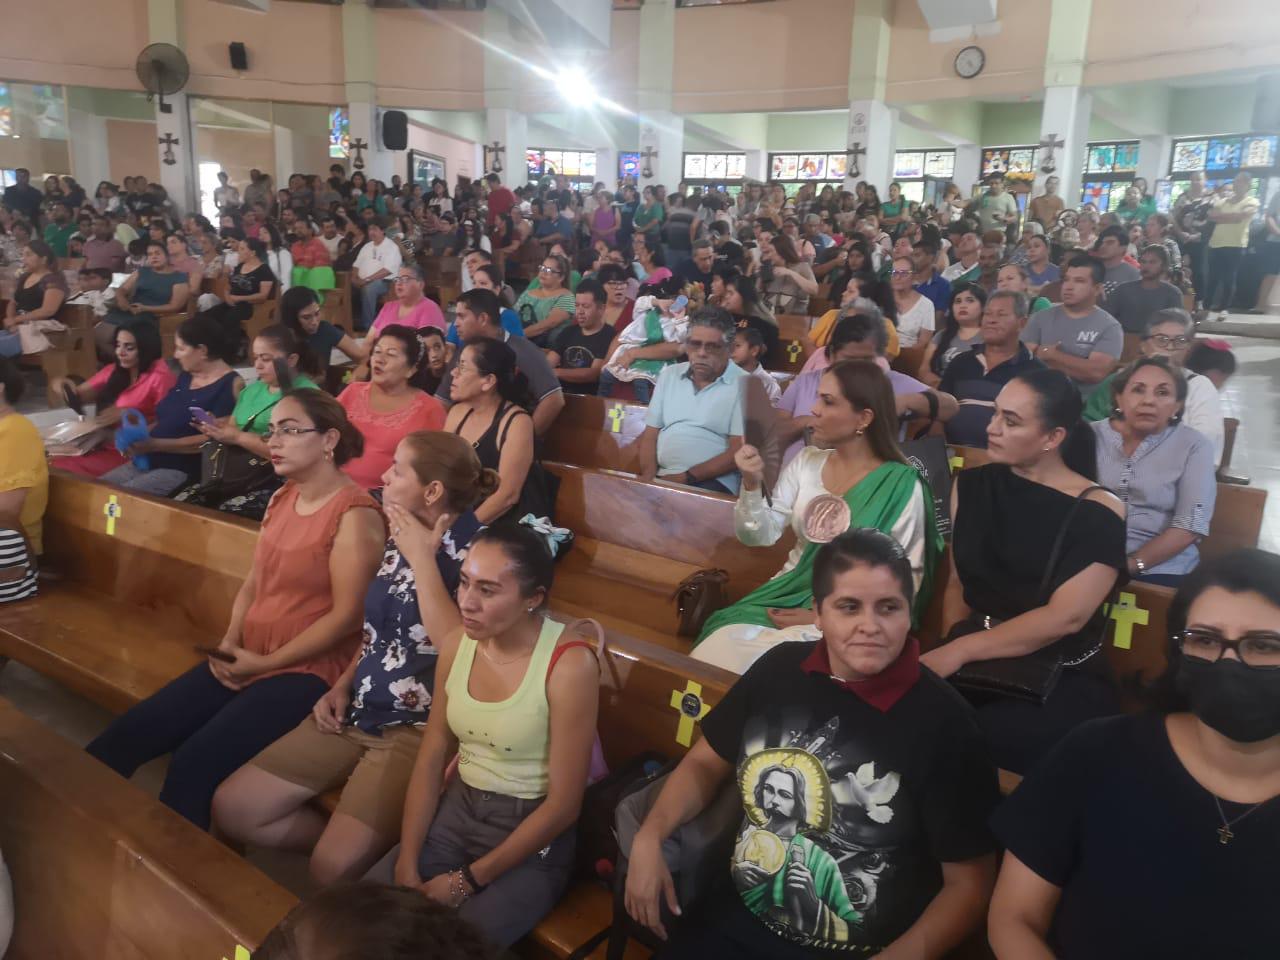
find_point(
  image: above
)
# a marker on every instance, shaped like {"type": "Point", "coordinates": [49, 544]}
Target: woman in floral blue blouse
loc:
{"type": "Point", "coordinates": [365, 731]}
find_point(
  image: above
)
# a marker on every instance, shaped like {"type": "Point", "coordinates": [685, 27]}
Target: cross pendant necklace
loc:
{"type": "Point", "coordinates": [1225, 834]}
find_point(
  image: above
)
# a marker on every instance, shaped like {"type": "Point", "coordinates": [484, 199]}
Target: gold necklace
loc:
{"type": "Point", "coordinates": [502, 663]}
{"type": "Point", "coordinates": [1225, 833]}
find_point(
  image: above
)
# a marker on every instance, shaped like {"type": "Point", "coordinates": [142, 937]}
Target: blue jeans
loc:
{"type": "Point", "coordinates": [642, 388]}
{"type": "Point", "coordinates": [211, 731]}
{"type": "Point", "coordinates": [369, 296]}
{"type": "Point", "coordinates": [10, 344]}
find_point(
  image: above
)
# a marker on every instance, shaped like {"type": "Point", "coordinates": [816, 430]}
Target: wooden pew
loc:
{"type": "Point", "coordinates": [622, 540]}
{"type": "Point", "coordinates": [909, 359]}
{"type": "Point", "coordinates": [596, 432]}
{"type": "Point", "coordinates": [102, 870]}
{"type": "Point", "coordinates": [794, 347]}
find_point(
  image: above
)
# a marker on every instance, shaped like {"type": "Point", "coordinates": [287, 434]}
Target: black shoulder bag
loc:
{"type": "Point", "coordinates": [1034, 675]}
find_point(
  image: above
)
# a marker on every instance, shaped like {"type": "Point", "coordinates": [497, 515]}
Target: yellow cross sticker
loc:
{"type": "Point", "coordinates": [111, 510]}
{"type": "Point", "coordinates": [692, 709]}
{"type": "Point", "coordinates": [242, 953]}
{"type": "Point", "coordinates": [957, 464]}
{"type": "Point", "coordinates": [794, 350]}
{"type": "Point", "coordinates": [616, 416]}
{"type": "Point", "coordinates": [1126, 612]}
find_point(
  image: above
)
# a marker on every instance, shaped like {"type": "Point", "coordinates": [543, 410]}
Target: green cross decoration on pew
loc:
{"type": "Point", "coordinates": [689, 702]}
{"type": "Point", "coordinates": [616, 415]}
{"type": "Point", "coordinates": [242, 953]}
{"type": "Point", "coordinates": [794, 350]}
{"type": "Point", "coordinates": [1126, 612]}
{"type": "Point", "coordinates": [956, 464]}
{"type": "Point", "coordinates": [111, 510]}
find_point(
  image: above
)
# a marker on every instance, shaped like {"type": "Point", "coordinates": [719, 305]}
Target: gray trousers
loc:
{"type": "Point", "coordinates": [468, 824]}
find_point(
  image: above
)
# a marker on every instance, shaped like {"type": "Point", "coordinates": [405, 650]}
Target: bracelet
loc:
{"type": "Point", "coordinates": [1140, 564]}
{"type": "Point", "coordinates": [457, 895]}
{"type": "Point", "coordinates": [470, 877]}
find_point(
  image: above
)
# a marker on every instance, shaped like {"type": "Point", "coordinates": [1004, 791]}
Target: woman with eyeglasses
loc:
{"type": "Point", "coordinates": [546, 310]}
{"type": "Point", "coordinates": [412, 307]}
{"type": "Point", "coordinates": [1158, 834]}
{"type": "Point", "coordinates": [294, 626]}
{"type": "Point", "coordinates": [1171, 334]}
{"type": "Point", "coordinates": [915, 310]}
{"type": "Point", "coordinates": [1161, 468]}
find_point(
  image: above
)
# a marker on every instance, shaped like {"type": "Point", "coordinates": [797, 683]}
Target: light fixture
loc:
{"type": "Point", "coordinates": [576, 88]}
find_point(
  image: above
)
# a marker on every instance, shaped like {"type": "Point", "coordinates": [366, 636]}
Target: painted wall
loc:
{"type": "Point", "coordinates": [459, 155]}
{"type": "Point", "coordinates": [295, 51]}
{"type": "Point", "coordinates": [68, 41]}
{"type": "Point", "coordinates": [808, 131]}
{"type": "Point", "coordinates": [1209, 110]}
{"type": "Point", "coordinates": [429, 59]}
{"type": "Point", "coordinates": [921, 71]}
{"type": "Point", "coordinates": [786, 55]}
{"type": "Point", "coordinates": [131, 145]}
{"type": "Point", "coordinates": [238, 151]}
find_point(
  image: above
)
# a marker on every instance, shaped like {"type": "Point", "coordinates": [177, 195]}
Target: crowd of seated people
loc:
{"type": "Point", "coordinates": [395, 615]}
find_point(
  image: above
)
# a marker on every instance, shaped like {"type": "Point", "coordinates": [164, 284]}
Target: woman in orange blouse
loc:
{"type": "Point", "coordinates": [294, 627]}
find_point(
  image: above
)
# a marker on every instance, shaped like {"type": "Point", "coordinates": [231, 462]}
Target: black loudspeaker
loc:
{"type": "Point", "coordinates": [395, 130]}
{"type": "Point", "coordinates": [239, 56]}
{"type": "Point", "coordinates": [1266, 106]}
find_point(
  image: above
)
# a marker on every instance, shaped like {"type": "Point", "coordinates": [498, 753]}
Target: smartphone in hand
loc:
{"type": "Point", "coordinates": [215, 653]}
{"type": "Point", "coordinates": [201, 415]}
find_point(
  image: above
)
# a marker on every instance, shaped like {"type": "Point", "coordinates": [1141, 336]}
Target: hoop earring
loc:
{"type": "Point", "coordinates": [859, 432]}
{"type": "Point", "coordinates": [328, 455]}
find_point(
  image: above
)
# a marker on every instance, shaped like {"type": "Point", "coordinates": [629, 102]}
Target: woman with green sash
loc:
{"type": "Point", "coordinates": [852, 476]}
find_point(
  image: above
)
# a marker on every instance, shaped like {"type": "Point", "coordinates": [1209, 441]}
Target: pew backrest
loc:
{"type": "Point", "coordinates": [596, 432]}
{"type": "Point", "coordinates": [101, 869]}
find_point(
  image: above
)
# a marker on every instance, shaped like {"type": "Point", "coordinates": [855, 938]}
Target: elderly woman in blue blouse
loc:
{"type": "Point", "coordinates": [1162, 469]}
{"type": "Point", "coordinates": [364, 733]}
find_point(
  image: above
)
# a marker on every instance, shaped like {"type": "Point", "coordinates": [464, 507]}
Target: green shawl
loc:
{"type": "Point", "coordinates": [876, 501]}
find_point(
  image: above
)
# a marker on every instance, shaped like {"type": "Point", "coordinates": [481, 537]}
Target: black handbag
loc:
{"type": "Point", "coordinates": [1031, 676]}
{"type": "Point", "coordinates": [929, 456]}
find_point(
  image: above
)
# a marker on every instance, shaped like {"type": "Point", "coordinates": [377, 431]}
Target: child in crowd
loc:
{"type": "Point", "coordinates": [748, 348]}
{"type": "Point", "coordinates": [94, 289]}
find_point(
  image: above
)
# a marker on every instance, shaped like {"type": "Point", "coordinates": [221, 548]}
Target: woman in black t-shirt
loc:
{"type": "Point", "coordinates": [1158, 835]}
{"type": "Point", "coordinates": [1008, 597]}
{"type": "Point", "coordinates": [251, 281]}
{"type": "Point", "coordinates": [864, 783]}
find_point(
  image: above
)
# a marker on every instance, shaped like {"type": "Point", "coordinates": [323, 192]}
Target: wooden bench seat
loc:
{"type": "Point", "coordinates": [596, 432]}
{"type": "Point", "coordinates": [102, 870]}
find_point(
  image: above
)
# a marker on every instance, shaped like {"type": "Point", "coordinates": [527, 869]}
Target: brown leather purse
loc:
{"type": "Point", "coordinates": [697, 597]}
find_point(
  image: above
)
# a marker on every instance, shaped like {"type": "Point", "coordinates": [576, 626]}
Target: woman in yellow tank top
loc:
{"type": "Point", "coordinates": [497, 845]}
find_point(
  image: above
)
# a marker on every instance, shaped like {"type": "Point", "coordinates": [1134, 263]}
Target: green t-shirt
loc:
{"type": "Point", "coordinates": [57, 237]}
{"type": "Point", "coordinates": [1098, 404]}
{"type": "Point", "coordinates": [253, 408]}
{"type": "Point", "coordinates": [1040, 303]}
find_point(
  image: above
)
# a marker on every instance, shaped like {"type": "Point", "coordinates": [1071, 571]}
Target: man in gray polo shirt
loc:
{"type": "Point", "coordinates": [1077, 336]}
{"type": "Point", "coordinates": [478, 313]}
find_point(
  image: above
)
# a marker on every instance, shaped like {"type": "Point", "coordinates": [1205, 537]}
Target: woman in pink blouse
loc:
{"type": "Point", "coordinates": [137, 380]}
{"type": "Point", "coordinates": [412, 307]}
{"type": "Point", "coordinates": [389, 405]}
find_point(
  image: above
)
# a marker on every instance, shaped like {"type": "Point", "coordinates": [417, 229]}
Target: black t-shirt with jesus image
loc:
{"type": "Point", "coordinates": [580, 350]}
{"type": "Point", "coordinates": [863, 805]}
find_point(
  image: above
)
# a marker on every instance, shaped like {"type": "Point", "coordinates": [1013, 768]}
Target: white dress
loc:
{"type": "Point", "coordinates": [737, 646]}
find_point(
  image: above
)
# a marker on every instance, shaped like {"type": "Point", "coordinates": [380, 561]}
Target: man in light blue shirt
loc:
{"type": "Point", "coordinates": [694, 424]}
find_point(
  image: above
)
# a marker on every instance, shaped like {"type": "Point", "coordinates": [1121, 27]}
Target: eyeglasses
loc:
{"type": "Point", "coordinates": [545, 269]}
{"type": "Point", "coordinates": [1259, 649]}
{"type": "Point", "coordinates": [289, 431]}
{"type": "Point", "coordinates": [1163, 341]}
{"type": "Point", "coordinates": [615, 283]}
{"type": "Point", "coordinates": [900, 273]}
{"type": "Point", "coordinates": [405, 279]}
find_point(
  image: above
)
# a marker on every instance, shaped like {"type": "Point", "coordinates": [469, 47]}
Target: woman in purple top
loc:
{"type": "Point", "coordinates": [605, 221]}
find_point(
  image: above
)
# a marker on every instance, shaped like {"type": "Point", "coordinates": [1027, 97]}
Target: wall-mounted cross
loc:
{"type": "Point", "coordinates": [1047, 146]}
{"type": "Point", "coordinates": [648, 154]}
{"type": "Point", "coordinates": [493, 157]}
{"type": "Point", "coordinates": [359, 146]}
{"type": "Point", "coordinates": [856, 150]}
{"type": "Point", "coordinates": [169, 141]}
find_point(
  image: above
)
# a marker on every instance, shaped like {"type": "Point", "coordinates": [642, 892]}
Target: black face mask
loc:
{"type": "Point", "coordinates": [1242, 703]}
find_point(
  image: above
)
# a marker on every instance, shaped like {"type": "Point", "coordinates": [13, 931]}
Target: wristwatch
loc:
{"type": "Point", "coordinates": [1140, 564]}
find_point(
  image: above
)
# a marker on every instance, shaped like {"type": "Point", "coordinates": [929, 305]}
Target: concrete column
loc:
{"type": "Point", "coordinates": [758, 165]}
{"type": "Point", "coordinates": [1066, 118]}
{"type": "Point", "coordinates": [663, 132]}
{"type": "Point", "coordinates": [366, 125]}
{"type": "Point", "coordinates": [872, 126]}
{"type": "Point", "coordinates": [607, 166]}
{"type": "Point", "coordinates": [179, 179]}
{"type": "Point", "coordinates": [1154, 153]}
{"type": "Point", "coordinates": [282, 142]}
{"type": "Point", "coordinates": [87, 143]}
{"type": "Point", "coordinates": [968, 167]}
{"type": "Point", "coordinates": [510, 128]}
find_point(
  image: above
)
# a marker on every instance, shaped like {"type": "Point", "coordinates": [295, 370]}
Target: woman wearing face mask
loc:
{"type": "Point", "coordinates": [862, 786]}
{"type": "Point", "coordinates": [389, 404]}
{"type": "Point", "coordinates": [1037, 547]}
{"type": "Point", "coordinates": [1158, 834]}
{"type": "Point", "coordinates": [961, 331]}
{"type": "Point", "coordinates": [1161, 468]}
{"type": "Point", "coordinates": [366, 730]}
{"type": "Point", "coordinates": [277, 363]}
